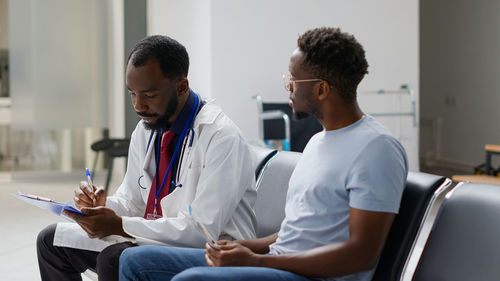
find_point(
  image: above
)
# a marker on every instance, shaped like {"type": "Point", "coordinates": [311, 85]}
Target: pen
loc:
{"type": "Point", "coordinates": [38, 198]}
{"type": "Point", "coordinates": [90, 185]}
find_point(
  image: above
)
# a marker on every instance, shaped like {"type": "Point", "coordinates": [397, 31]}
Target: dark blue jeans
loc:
{"type": "Point", "coordinates": [166, 263]}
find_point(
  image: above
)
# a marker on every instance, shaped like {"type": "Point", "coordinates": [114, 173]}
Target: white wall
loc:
{"type": "Point", "coordinates": [460, 82]}
{"type": "Point", "coordinates": [251, 42]}
{"type": "Point", "coordinates": [189, 22]}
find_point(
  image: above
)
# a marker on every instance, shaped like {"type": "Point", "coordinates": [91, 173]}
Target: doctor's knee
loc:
{"type": "Point", "coordinates": [45, 238]}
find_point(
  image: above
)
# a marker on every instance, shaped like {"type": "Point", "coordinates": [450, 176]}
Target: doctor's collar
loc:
{"type": "Point", "coordinates": [183, 117]}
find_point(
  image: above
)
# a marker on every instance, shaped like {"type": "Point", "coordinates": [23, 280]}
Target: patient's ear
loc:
{"type": "Point", "coordinates": [323, 90]}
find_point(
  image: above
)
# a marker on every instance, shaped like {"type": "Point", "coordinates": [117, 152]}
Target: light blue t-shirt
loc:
{"type": "Point", "coordinates": [360, 166]}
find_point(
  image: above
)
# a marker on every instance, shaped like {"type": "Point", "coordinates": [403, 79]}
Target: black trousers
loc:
{"type": "Point", "coordinates": [62, 263]}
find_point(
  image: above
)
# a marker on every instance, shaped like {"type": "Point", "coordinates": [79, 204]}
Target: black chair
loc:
{"type": "Point", "coordinates": [114, 148]}
{"type": "Point", "coordinates": [418, 197]}
{"type": "Point", "coordinates": [464, 242]}
{"type": "Point", "coordinates": [261, 157]}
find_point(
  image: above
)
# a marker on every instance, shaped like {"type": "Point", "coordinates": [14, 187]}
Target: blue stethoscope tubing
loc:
{"type": "Point", "coordinates": [187, 127]}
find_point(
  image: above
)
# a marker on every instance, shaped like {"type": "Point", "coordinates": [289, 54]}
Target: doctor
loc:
{"type": "Point", "coordinates": [184, 152]}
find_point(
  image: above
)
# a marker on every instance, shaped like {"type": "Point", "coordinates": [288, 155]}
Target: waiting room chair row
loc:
{"type": "Point", "coordinates": [463, 243]}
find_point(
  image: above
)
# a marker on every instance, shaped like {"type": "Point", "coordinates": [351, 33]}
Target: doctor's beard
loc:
{"type": "Point", "coordinates": [162, 121]}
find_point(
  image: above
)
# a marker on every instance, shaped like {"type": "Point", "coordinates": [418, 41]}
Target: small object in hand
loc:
{"type": "Point", "coordinates": [202, 229]}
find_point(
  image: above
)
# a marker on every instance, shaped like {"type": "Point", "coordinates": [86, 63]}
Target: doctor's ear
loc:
{"type": "Point", "coordinates": [182, 86]}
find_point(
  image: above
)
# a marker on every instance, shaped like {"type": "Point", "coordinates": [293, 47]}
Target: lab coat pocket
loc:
{"type": "Point", "coordinates": [190, 160]}
{"type": "Point", "coordinates": [189, 179]}
{"type": "Point", "coordinates": [183, 195]}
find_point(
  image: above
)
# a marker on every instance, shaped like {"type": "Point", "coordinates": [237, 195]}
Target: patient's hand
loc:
{"type": "Point", "coordinates": [230, 254]}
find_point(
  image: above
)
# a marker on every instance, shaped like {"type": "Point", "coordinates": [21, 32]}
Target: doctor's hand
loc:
{"type": "Point", "coordinates": [230, 254]}
{"type": "Point", "coordinates": [99, 222]}
{"type": "Point", "coordinates": [85, 198]}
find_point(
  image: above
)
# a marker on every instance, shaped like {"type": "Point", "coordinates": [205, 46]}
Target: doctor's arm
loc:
{"type": "Point", "coordinates": [127, 200]}
{"type": "Point", "coordinates": [367, 234]}
{"type": "Point", "coordinates": [105, 218]}
{"type": "Point", "coordinates": [222, 180]}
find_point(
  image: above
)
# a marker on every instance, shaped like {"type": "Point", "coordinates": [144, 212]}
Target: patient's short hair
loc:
{"type": "Point", "coordinates": [170, 54]}
{"type": "Point", "coordinates": [335, 57]}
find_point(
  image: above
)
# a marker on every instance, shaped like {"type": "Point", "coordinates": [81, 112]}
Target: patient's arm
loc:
{"type": "Point", "coordinates": [367, 230]}
{"type": "Point", "coordinates": [259, 245]}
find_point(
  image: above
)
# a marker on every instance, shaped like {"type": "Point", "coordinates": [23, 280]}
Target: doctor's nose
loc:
{"type": "Point", "coordinates": [139, 103]}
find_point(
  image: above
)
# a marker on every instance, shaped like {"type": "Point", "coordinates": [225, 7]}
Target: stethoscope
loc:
{"type": "Point", "coordinates": [187, 127]}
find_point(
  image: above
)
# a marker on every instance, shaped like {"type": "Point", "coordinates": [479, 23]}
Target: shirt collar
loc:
{"type": "Point", "coordinates": [183, 117]}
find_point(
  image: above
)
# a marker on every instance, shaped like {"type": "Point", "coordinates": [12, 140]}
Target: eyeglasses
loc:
{"type": "Point", "coordinates": [290, 84]}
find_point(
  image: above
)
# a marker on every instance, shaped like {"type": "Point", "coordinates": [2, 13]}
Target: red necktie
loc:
{"type": "Point", "coordinates": [165, 157]}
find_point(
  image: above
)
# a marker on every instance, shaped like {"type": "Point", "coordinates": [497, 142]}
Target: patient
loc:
{"type": "Point", "coordinates": [343, 194]}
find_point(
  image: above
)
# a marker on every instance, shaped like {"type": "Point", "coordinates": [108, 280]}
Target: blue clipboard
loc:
{"type": "Point", "coordinates": [47, 204]}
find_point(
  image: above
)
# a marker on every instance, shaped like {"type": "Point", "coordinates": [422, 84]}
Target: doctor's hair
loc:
{"type": "Point", "coordinates": [335, 57]}
{"type": "Point", "coordinates": [170, 54]}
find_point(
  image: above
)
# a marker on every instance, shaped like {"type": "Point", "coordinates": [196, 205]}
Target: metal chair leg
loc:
{"type": "Point", "coordinates": [95, 164]}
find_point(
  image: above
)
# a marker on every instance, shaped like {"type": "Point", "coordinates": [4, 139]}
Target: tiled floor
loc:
{"type": "Point", "coordinates": [21, 222]}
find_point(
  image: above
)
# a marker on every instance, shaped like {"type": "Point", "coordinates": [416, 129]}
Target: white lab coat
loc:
{"type": "Point", "coordinates": [217, 178]}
